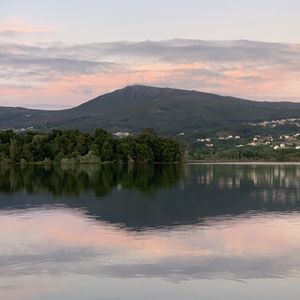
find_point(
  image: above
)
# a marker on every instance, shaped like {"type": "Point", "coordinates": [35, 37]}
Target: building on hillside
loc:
{"type": "Point", "coordinates": [121, 134]}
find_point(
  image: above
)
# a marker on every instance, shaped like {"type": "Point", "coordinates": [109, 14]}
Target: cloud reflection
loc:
{"type": "Point", "coordinates": [62, 241]}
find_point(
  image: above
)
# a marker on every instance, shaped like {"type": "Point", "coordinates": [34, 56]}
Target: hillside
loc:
{"type": "Point", "coordinates": [166, 110]}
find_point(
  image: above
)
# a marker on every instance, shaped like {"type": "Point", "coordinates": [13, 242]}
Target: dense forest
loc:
{"type": "Point", "coordinates": [73, 146]}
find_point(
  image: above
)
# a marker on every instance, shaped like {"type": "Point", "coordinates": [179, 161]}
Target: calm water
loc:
{"type": "Point", "coordinates": [193, 232]}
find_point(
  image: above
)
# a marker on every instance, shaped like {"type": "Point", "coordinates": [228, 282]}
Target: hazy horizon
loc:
{"type": "Point", "coordinates": [43, 106]}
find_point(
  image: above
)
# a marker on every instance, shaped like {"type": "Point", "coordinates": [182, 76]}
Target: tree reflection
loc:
{"type": "Point", "coordinates": [74, 180]}
{"type": "Point", "coordinates": [155, 196]}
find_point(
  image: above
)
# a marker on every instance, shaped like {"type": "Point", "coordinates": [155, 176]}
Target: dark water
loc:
{"type": "Point", "coordinates": [165, 232]}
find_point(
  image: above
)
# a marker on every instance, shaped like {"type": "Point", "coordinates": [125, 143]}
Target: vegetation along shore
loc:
{"type": "Point", "coordinates": [101, 146]}
{"type": "Point", "coordinates": [73, 146]}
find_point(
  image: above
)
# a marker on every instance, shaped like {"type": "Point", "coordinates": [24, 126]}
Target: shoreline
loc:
{"type": "Point", "coordinates": [237, 162]}
{"type": "Point", "coordinates": [50, 163]}
{"type": "Point", "coordinates": [188, 162]}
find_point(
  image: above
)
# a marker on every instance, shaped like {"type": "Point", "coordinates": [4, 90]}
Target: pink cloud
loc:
{"type": "Point", "coordinates": [17, 24]}
{"type": "Point", "coordinates": [74, 74]}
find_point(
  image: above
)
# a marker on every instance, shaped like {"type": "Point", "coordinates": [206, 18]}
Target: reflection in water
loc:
{"type": "Point", "coordinates": [76, 179]}
{"type": "Point", "coordinates": [154, 196]}
{"type": "Point", "coordinates": [157, 232]}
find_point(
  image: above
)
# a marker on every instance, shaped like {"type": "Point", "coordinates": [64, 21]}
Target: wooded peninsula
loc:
{"type": "Point", "coordinates": [73, 146]}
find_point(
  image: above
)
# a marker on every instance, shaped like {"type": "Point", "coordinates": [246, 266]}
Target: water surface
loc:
{"type": "Point", "coordinates": [163, 232]}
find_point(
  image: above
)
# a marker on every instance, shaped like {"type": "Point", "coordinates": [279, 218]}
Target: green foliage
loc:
{"type": "Point", "coordinates": [72, 146]}
{"type": "Point", "coordinates": [89, 158]}
{"type": "Point", "coordinates": [143, 153]}
{"type": "Point", "coordinates": [124, 152]}
{"type": "Point", "coordinates": [107, 152]}
{"type": "Point", "coordinates": [13, 148]}
{"type": "Point", "coordinates": [259, 153]}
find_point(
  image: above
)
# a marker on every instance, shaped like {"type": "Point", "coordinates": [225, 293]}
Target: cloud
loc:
{"type": "Point", "coordinates": [18, 26]}
{"type": "Point", "coordinates": [49, 68]}
{"type": "Point", "coordinates": [20, 33]}
{"type": "Point", "coordinates": [241, 68]}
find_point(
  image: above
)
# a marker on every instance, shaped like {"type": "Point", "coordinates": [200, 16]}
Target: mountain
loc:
{"type": "Point", "coordinates": [168, 111]}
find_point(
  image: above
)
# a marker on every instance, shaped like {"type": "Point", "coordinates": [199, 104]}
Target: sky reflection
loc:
{"type": "Point", "coordinates": [179, 236]}
{"type": "Point", "coordinates": [60, 241]}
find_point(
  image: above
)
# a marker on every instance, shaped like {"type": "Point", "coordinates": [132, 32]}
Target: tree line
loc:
{"type": "Point", "coordinates": [73, 146]}
{"type": "Point", "coordinates": [259, 153]}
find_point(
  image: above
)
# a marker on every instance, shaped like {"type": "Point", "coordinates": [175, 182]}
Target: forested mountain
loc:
{"type": "Point", "coordinates": [167, 111]}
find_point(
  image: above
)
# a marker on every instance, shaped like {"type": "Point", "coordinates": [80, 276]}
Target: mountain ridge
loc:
{"type": "Point", "coordinates": [166, 110]}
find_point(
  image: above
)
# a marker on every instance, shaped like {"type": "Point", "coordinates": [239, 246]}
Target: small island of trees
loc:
{"type": "Point", "coordinates": [73, 146]}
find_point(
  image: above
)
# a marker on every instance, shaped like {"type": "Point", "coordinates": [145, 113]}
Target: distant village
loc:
{"type": "Point", "coordinates": [277, 143]}
{"type": "Point", "coordinates": [275, 123]}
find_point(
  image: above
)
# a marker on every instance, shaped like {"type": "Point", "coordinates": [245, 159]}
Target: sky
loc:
{"type": "Point", "coordinates": [57, 54]}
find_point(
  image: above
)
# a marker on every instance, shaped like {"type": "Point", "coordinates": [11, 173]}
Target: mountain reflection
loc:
{"type": "Point", "coordinates": [180, 224]}
{"type": "Point", "coordinates": [154, 196]}
{"type": "Point", "coordinates": [59, 241]}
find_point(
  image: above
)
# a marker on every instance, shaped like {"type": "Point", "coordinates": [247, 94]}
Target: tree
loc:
{"type": "Point", "coordinates": [13, 148]}
{"type": "Point", "coordinates": [124, 151]}
{"type": "Point", "coordinates": [27, 153]}
{"type": "Point", "coordinates": [107, 152]}
{"type": "Point", "coordinates": [143, 153]}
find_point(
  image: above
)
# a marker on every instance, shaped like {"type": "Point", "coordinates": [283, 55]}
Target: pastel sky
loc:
{"type": "Point", "coordinates": [56, 54]}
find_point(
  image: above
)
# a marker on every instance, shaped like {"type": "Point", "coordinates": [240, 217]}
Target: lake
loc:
{"type": "Point", "coordinates": [158, 232]}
